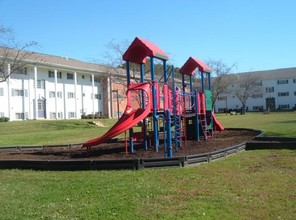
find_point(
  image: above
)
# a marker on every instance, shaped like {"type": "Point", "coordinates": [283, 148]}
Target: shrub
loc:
{"type": "Point", "coordinates": [4, 119]}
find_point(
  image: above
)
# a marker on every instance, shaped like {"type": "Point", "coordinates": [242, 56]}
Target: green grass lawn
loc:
{"type": "Point", "coordinates": [249, 185]}
{"type": "Point", "coordinates": [78, 131]}
{"type": "Point", "coordinates": [281, 124]}
{"type": "Point", "coordinates": [50, 131]}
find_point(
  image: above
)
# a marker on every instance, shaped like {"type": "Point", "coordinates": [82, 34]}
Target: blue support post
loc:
{"type": "Point", "coordinates": [128, 77]}
{"type": "Point", "coordinates": [155, 118]}
{"type": "Point", "coordinates": [165, 72]}
{"type": "Point", "coordinates": [209, 81]}
{"type": "Point", "coordinates": [211, 116]}
{"type": "Point", "coordinates": [183, 83]}
{"type": "Point", "coordinates": [196, 116]}
{"type": "Point", "coordinates": [168, 133]}
{"type": "Point", "coordinates": [191, 92]}
{"type": "Point", "coordinates": [144, 126]}
{"type": "Point", "coordinates": [131, 142]}
{"type": "Point", "coordinates": [202, 82]}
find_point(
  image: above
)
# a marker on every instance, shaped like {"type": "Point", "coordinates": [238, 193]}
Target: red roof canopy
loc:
{"type": "Point", "coordinates": [193, 63]}
{"type": "Point", "coordinates": [140, 49]}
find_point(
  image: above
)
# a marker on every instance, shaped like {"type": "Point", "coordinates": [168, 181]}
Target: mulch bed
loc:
{"type": "Point", "coordinates": [111, 151]}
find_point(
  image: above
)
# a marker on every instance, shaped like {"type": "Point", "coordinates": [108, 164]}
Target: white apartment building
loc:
{"type": "Point", "coordinates": [278, 92]}
{"type": "Point", "coordinates": [53, 87]}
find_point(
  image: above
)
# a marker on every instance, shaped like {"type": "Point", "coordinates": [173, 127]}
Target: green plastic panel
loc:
{"type": "Point", "coordinates": [208, 94]}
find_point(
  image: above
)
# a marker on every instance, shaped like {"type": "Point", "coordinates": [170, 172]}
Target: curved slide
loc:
{"type": "Point", "coordinates": [130, 117]}
{"type": "Point", "coordinates": [217, 125]}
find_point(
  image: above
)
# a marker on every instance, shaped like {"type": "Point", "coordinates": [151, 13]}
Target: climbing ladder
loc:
{"type": "Point", "coordinates": [179, 117]}
{"type": "Point", "coordinates": [202, 115]}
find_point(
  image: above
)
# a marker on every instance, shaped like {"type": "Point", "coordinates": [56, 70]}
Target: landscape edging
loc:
{"type": "Point", "coordinates": [143, 163]}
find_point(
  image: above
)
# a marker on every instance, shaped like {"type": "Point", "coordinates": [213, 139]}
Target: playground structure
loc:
{"type": "Point", "coordinates": [176, 114]}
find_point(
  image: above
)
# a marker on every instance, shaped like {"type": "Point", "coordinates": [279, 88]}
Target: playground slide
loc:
{"type": "Point", "coordinates": [217, 125]}
{"type": "Point", "coordinates": [130, 118]}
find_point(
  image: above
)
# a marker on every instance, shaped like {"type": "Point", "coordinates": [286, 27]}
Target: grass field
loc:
{"type": "Point", "coordinates": [78, 131]}
{"type": "Point", "coordinates": [249, 185]}
{"type": "Point", "coordinates": [50, 131]}
{"type": "Point", "coordinates": [280, 124]}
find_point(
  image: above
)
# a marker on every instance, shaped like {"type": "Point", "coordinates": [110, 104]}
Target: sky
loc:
{"type": "Point", "coordinates": [253, 34]}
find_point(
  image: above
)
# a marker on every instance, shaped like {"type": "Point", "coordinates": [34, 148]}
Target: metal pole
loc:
{"type": "Point", "coordinates": [117, 99]}
{"type": "Point", "coordinates": [202, 82]}
{"type": "Point", "coordinates": [155, 118]}
{"type": "Point", "coordinates": [144, 127]}
{"type": "Point", "coordinates": [128, 73]}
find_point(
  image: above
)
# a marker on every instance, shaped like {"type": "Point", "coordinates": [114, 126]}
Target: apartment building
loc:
{"type": "Point", "coordinates": [53, 87]}
{"type": "Point", "coordinates": [277, 91]}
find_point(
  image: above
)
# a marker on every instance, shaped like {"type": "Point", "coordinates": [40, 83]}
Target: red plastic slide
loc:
{"type": "Point", "coordinates": [130, 117]}
{"type": "Point", "coordinates": [217, 125]}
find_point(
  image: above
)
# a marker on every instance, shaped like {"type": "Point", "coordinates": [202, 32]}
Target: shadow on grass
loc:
{"type": "Point", "coordinates": [288, 122]}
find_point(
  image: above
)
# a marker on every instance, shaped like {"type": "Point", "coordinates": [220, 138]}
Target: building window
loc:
{"type": "Point", "coordinates": [19, 116]}
{"type": "Point", "coordinates": [71, 114]}
{"type": "Point", "coordinates": [40, 105]}
{"type": "Point", "coordinates": [60, 114]}
{"type": "Point", "coordinates": [222, 98]}
{"type": "Point", "coordinates": [52, 115]}
{"type": "Point", "coordinates": [294, 93]}
{"type": "Point", "coordinates": [23, 71]}
{"type": "Point", "coordinates": [97, 96]}
{"type": "Point", "coordinates": [97, 79]}
{"type": "Point", "coordinates": [258, 108]}
{"type": "Point", "coordinates": [294, 80]}
{"type": "Point", "coordinates": [70, 76]}
{"type": "Point", "coordinates": [51, 94]}
{"type": "Point", "coordinates": [258, 83]}
{"type": "Point", "coordinates": [286, 106]}
{"type": "Point", "coordinates": [19, 92]}
{"type": "Point", "coordinates": [1, 92]}
{"type": "Point", "coordinates": [256, 96]}
{"type": "Point", "coordinates": [60, 94]}
{"type": "Point", "coordinates": [82, 76]}
{"type": "Point", "coordinates": [283, 81]}
{"type": "Point", "coordinates": [40, 84]}
{"type": "Point", "coordinates": [51, 74]}
{"type": "Point", "coordinates": [71, 95]}
{"type": "Point", "coordinates": [269, 89]}
{"type": "Point", "coordinates": [283, 94]}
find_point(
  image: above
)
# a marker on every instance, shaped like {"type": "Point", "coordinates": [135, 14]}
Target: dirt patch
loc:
{"type": "Point", "coordinates": [110, 151]}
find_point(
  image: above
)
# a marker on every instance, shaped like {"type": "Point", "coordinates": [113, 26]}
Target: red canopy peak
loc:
{"type": "Point", "coordinates": [140, 49]}
{"type": "Point", "coordinates": [191, 64]}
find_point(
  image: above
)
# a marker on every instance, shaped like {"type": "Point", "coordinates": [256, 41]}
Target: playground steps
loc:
{"type": "Point", "coordinates": [179, 116]}
{"type": "Point", "coordinates": [206, 130]}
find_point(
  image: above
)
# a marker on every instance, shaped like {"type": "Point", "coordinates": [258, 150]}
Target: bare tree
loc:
{"type": "Point", "coordinates": [246, 86]}
{"type": "Point", "coordinates": [13, 53]}
{"type": "Point", "coordinates": [220, 78]}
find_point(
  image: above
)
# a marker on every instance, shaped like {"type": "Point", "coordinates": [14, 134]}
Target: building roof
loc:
{"type": "Point", "coordinates": [140, 49]}
{"type": "Point", "coordinates": [284, 73]}
{"type": "Point", "coordinates": [40, 59]}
